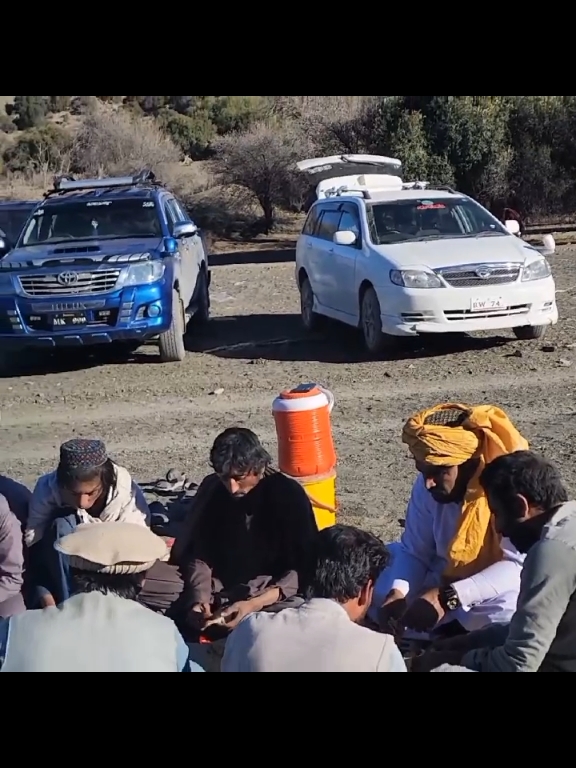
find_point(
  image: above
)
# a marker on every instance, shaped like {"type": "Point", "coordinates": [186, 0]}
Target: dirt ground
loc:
{"type": "Point", "coordinates": [154, 417]}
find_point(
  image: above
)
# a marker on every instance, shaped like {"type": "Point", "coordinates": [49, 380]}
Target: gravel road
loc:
{"type": "Point", "coordinates": [154, 417]}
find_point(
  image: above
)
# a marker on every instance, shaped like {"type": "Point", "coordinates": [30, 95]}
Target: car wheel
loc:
{"type": "Point", "coordinates": [530, 332]}
{"type": "Point", "coordinates": [202, 315]}
{"type": "Point", "coordinates": [371, 322]}
{"type": "Point", "coordinates": [172, 347]}
{"type": "Point", "coordinates": [310, 319]}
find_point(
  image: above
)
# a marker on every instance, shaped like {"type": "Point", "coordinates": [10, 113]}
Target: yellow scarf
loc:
{"type": "Point", "coordinates": [486, 434]}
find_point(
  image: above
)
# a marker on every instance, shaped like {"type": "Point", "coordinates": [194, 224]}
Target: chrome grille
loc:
{"type": "Point", "coordinates": [82, 284]}
{"type": "Point", "coordinates": [478, 275]}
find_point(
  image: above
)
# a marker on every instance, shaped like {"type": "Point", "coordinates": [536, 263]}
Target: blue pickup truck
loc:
{"type": "Point", "coordinates": [104, 261]}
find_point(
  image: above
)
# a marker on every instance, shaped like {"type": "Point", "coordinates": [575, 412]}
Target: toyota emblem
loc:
{"type": "Point", "coordinates": [68, 278]}
{"type": "Point", "coordinates": [484, 274]}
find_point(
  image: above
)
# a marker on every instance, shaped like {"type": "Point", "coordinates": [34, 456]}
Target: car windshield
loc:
{"type": "Point", "coordinates": [103, 220]}
{"type": "Point", "coordinates": [439, 219]}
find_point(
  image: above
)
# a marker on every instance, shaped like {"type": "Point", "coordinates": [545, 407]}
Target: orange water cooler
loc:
{"type": "Point", "coordinates": [306, 446]}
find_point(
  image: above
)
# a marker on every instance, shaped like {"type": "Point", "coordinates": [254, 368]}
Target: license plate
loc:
{"type": "Point", "coordinates": [489, 304]}
{"type": "Point", "coordinates": [69, 320]}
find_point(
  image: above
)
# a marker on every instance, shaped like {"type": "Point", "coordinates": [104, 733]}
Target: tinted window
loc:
{"type": "Point", "coordinates": [425, 219]}
{"type": "Point", "coordinates": [311, 221]}
{"type": "Point", "coordinates": [171, 215]}
{"type": "Point", "coordinates": [329, 225]}
{"type": "Point", "coordinates": [102, 220]}
{"type": "Point", "coordinates": [12, 222]}
{"type": "Point", "coordinates": [350, 221]}
{"type": "Point", "coordinates": [180, 213]}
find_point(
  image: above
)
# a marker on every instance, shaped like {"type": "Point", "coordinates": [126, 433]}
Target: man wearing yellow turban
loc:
{"type": "Point", "coordinates": [452, 566]}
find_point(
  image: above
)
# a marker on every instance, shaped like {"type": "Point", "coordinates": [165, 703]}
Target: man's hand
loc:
{"type": "Point", "coordinates": [200, 614]}
{"type": "Point", "coordinates": [231, 617]}
{"type": "Point", "coordinates": [426, 613]}
{"type": "Point", "coordinates": [435, 659]}
{"type": "Point", "coordinates": [462, 645]}
{"type": "Point", "coordinates": [391, 613]}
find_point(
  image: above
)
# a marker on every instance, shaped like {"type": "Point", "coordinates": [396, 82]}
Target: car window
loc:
{"type": "Point", "coordinates": [179, 211]}
{"type": "Point", "coordinates": [95, 220]}
{"type": "Point", "coordinates": [312, 221]}
{"type": "Point", "coordinates": [12, 221]}
{"type": "Point", "coordinates": [350, 222]}
{"type": "Point", "coordinates": [423, 219]}
{"type": "Point", "coordinates": [171, 216]}
{"type": "Point", "coordinates": [329, 224]}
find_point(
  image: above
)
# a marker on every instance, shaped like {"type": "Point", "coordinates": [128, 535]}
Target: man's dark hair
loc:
{"type": "Point", "coordinates": [524, 474]}
{"type": "Point", "coordinates": [127, 586]}
{"type": "Point", "coordinates": [67, 478]}
{"type": "Point", "coordinates": [238, 452]}
{"type": "Point", "coordinates": [347, 560]}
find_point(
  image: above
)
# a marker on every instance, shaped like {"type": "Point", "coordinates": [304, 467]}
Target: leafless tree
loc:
{"type": "Point", "coordinates": [262, 163]}
{"type": "Point", "coordinates": [116, 143]}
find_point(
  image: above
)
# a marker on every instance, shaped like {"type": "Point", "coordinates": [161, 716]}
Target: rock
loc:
{"type": "Point", "coordinates": [566, 363]}
{"type": "Point", "coordinates": [217, 392]}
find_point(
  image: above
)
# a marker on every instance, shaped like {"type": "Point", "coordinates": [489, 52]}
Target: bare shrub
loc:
{"type": "Point", "coordinates": [113, 143]}
{"type": "Point", "coordinates": [261, 164]}
{"type": "Point", "coordinates": [337, 123]}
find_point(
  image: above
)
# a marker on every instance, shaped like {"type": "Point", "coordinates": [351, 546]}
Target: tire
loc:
{"type": "Point", "coordinates": [530, 332]}
{"type": "Point", "coordinates": [371, 323]}
{"type": "Point", "coordinates": [310, 319]}
{"type": "Point", "coordinates": [202, 315]}
{"type": "Point", "coordinates": [172, 347]}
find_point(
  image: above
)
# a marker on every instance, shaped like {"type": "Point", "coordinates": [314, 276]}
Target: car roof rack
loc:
{"type": "Point", "coordinates": [65, 184]}
{"type": "Point", "coordinates": [367, 193]}
{"type": "Point", "coordinates": [342, 191]}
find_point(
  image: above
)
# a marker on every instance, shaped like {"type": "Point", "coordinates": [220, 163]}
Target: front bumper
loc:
{"type": "Point", "coordinates": [133, 314]}
{"type": "Point", "coordinates": [410, 312]}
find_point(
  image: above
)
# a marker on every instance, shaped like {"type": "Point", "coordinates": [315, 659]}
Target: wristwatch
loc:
{"type": "Point", "coordinates": [449, 599]}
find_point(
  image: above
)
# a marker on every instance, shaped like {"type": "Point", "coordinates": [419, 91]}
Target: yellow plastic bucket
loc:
{"type": "Point", "coordinates": [321, 491]}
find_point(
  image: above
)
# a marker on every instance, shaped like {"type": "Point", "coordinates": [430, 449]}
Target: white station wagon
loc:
{"type": "Point", "coordinates": [404, 260]}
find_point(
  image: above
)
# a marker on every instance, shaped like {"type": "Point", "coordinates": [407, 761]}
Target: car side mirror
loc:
{"type": "Point", "coordinates": [185, 229]}
{"type": "Point", "coordinates": [347, 238]}
{"type": "Point", "coordinates": [513, 227]}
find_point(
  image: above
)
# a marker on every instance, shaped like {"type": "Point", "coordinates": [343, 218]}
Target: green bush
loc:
{"type": "Point", "coordinates": [39, 149]}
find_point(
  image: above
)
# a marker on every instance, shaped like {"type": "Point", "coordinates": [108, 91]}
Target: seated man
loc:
{"type": "Point", "coordinates": [86, 488]}
{"type": "Point", "coordinates": [247, 544]}
{"type": "Point", "coordinates": [18, 498]}
{"type": "Point", "coordinates": [325, 634]}
{"type": "Point", "coordinates": [11, 562]}
{"type": "Point", "coordinates": [531, 507]}
{"type": "Point", "coordinates": [102, 628]}
{"type": "Point", "coordinates": [452, 567]}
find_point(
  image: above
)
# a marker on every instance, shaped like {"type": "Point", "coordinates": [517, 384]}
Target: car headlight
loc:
{"type": "Point", "coordinates": [145, 273]}
{"type": "Point", "coordinates": [415, 278]}
{"type": "Point", "coordinates": [537, 270]}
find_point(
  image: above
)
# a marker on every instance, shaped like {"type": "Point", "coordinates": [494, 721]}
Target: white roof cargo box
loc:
{"type": "Point", "coordinates": [328, 174]}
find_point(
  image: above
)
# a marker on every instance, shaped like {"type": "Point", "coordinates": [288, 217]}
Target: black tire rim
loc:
{"type": "Point", "coordinates": [371, 326]}
{"type": "Point", "coordinates": [307, 304]}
